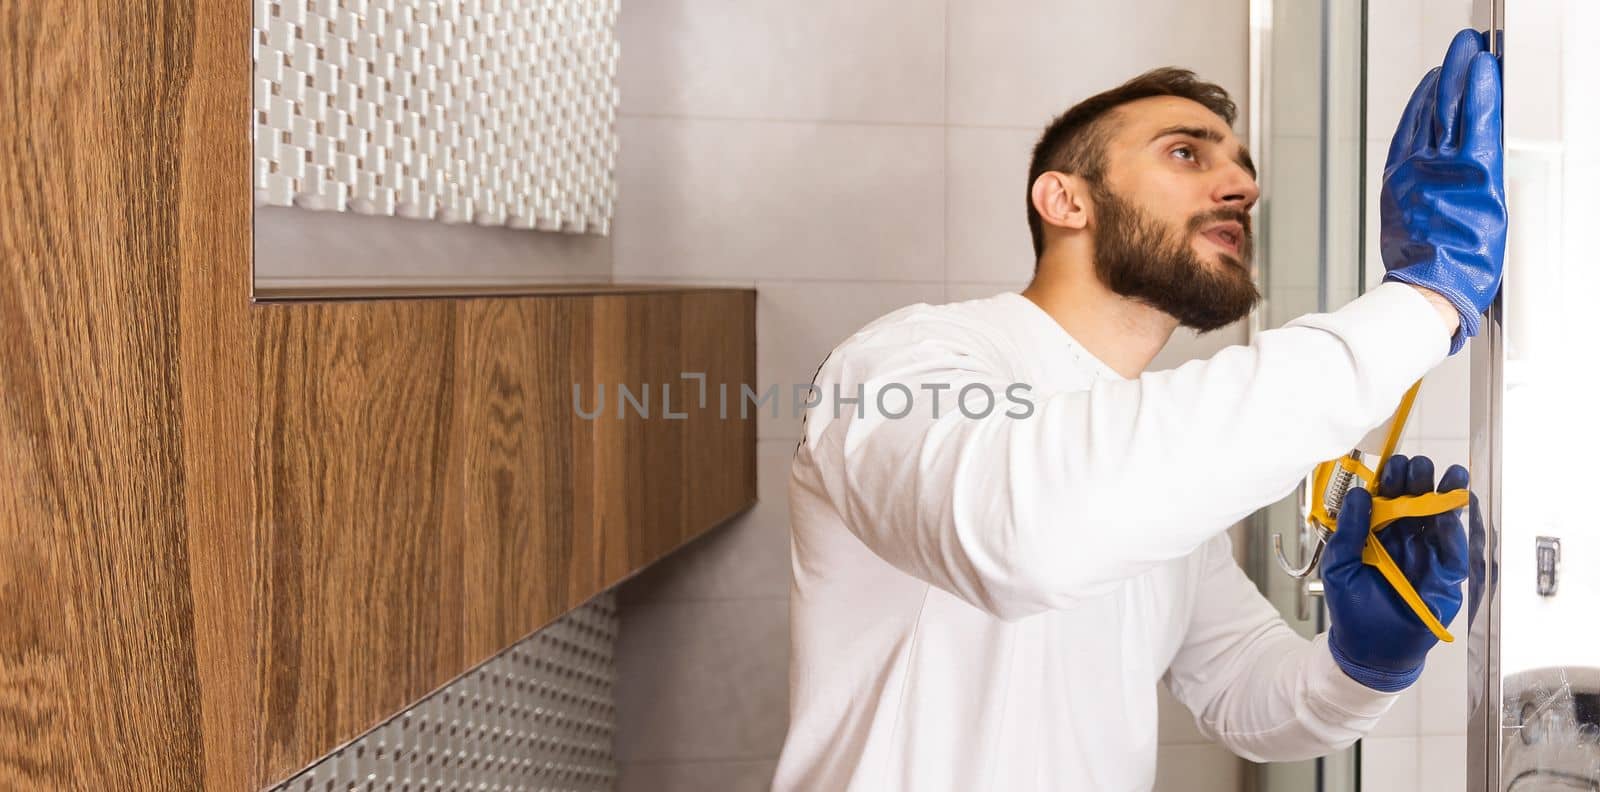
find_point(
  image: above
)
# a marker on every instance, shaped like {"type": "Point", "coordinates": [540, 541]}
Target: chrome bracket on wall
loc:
{"type": "Point", "coordinates": [1547, 555]}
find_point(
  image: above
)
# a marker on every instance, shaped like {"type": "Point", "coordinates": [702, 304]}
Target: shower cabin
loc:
{"type": "Point", "coordinates": [1514, 703]}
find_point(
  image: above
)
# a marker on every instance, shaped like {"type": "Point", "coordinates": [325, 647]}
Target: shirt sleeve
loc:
{"type": "Point", "coordinates": [1256, 686]}
{"type": "Point", "coordinates": [1028, 509]}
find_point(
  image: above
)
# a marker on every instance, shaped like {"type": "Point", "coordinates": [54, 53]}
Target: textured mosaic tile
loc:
{"type": "Point", "coordinates": [495, 112]}
{"type": "Point", "coordinates": [539, 716]}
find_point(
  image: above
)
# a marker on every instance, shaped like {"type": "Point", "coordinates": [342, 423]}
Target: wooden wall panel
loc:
{"type": "Point", "coordinates": [234, 535]}
{"type": "Point", "coordinates": [608, 362]}
{"type": "Point", "coordinates": [654, 460]}
{"type": "Point", "coordinates": [216, 336]}
{"type": "Point", "coordinates": [92, 503]}
{"type": "Point", "coordinates": [419, 483]}
{"type": "Point", "coordinates": [652, 475]}
{"type": "Point", "coordinates": [720, 466]}
{"type": "Point", "coordinates": [357, 516]}
{"type": "Point", "coordinates": [519, 567]}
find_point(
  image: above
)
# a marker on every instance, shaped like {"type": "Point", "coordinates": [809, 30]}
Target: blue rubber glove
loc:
{"type": "Point", "coordinates": [1443, 206]}
{"type": "Point", "coordinates": [1374, 636]}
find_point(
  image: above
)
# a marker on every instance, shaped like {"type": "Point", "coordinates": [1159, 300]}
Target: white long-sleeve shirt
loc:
{"type": "Point", "coordinates": [988, 603]}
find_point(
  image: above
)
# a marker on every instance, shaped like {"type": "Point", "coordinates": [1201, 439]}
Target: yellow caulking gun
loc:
{"type": "Point", "coordinates": [1334, 478]}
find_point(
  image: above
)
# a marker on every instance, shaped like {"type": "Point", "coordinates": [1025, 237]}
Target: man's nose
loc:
{"type": "Point", "coordinates": [1237, 187]}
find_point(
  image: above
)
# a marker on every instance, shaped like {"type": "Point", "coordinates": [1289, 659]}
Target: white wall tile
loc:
{"type": "Point", "coordinates": [296, 247]}
{"type": "Point", "coordinates": [1296, 70]}
{"type": "Point", "coordinates": [1377, 151]}
{"type": "Point", "coordinates": [1534, 54]}
{"type": "Point", "coordinates": [1239, 537]}
{"type": "Point", "coordinates": [1401, 719]}
{"type": "Point", "coordinates": [987, 220]}
{"type": "Point", "coordinates": [960, 292]}
{"type": "Point", "coordinates": [1174, 722]}
{"type": "Point", "coordinates": [1443, 764]}
{"type": "Point", "coordinates": [1412, 444]}
{"type": "Point", "coordinates": [1187, 345]}
{"type": "Point", "coordinates": [721, 199]}
{"type": "Point", "coordinates": [1442, 688]}
{"type": "Point", "coordinates": [1198, 768]}
{"type": "Point", "coordinates": [1292, 179]}
{"type": "Point", "coordinates": [1580, 205]}
{"type": "Point", "coordinates": [1441, 19]}
{"type": "Point", "coordinates": [1285, 305]}
{"type": "Point", "coordinates": [671, 776]}
{"type": "Point", "coordinates": [1389, 764]}
{"type": "Point", "coordinates": [1443, 403]}
{"type": "Point", "coordinates": [1396, 62]}
{"type": "Point", "coordinates": [842, 60]}
{"type": "Point", "coordinates": [1580, 66]}
{"type": "Point", "coordinates": [1443, 451]}
{"type": "Point", "coordinates": [702, 680]}
{"type": "Point", "coordinates": [729, 283]}
{"type": "Point", "coordinates": [1023, 62]}
{"type": "Point", "coordinates": [1344, 218]}
{"type": "Point", "coordinates": [799, 323]}
{"type": "Point", "coordinates": [748, 557]}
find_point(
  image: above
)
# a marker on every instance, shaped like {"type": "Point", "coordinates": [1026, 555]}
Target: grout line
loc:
{"type": "Point", "coordinates": [944, 282]}
{"type": "Point", "coordinates": [850, 281]}
{"type": "Point", "coordinates": [1197, 741]}
{"type": "Point", "coordinates": [824, 121]}
{"type": "Point", "coordinates": [467, 280]}
{"type": "Point", "coordinates": [944, 77]}
{"type": "Point", "coordinates": [944, 74]}
{"type": "Point", "coordinates": [674, 280]}
{"type": "Point", "coordinates": [655, 602]}
{"type": "Point", "coordinates": [765, 120]}
{"type": "Point", "coordinates": [1032, 130]}
{"type": "Point", "coordinates": [731, 760]}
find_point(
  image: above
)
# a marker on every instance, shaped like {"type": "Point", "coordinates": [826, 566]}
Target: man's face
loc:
{"type": "Point", "coordinates": [1172, 215]}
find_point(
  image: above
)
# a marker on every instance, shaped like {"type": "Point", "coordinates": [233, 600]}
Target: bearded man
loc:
{"type": "Point", "coordinates": [986, 598]}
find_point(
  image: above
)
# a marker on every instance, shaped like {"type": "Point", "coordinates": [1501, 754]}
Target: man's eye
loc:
{"type": "Point", "coordinates": [1184, 152]}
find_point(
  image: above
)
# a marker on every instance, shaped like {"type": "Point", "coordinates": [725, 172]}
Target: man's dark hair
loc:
{"type": "Point", "coordinates": [1075, 142]}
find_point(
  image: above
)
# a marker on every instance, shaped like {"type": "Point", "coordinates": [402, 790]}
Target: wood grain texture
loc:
{"type": "Point", "coordinates": [720, 465]}
{"type": "Point", "coordinates": [639, 471]}
{"type": "Point", "coordinates": [94, 583]}
{"type": "Point", "coordinates": [516, 563]}
{"type": "Point", "coordinates": [238, 534]}
{"type": "Point", "coordinates": [225, 534]}
{"type": "Point", "coordinates": [427, 493]}
{"type": "Point", "coordinates": [357, 516]}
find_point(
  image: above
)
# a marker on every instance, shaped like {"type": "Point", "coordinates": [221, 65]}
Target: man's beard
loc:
{"type": "Point", "coordinates": [1137, 257]}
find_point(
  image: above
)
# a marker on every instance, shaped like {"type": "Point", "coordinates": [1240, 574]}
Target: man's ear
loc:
{"type": "Point", "coordinates": [1061, 199]}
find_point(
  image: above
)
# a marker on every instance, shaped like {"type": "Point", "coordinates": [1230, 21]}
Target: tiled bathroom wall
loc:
{"type": "Point", "coordinates": [845, 158]}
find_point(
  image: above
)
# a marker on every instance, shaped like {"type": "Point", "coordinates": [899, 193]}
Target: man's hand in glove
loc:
{"type": "Point", "coordinates": [1443, 204]}
{"type": "Point", "coordinates": [1375, 637]}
